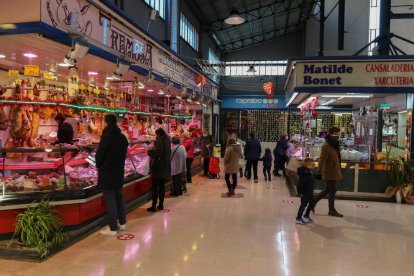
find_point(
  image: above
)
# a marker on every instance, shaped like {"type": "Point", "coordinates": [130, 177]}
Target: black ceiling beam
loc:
{"type": "Point", "coordinates": [288, 16]}
{"type": "Point", "coordinates": [402, 15]}
{"type": "Point", "coordinates": [228, 46]}
{"type": "Point", "coordinates": [305, 10]}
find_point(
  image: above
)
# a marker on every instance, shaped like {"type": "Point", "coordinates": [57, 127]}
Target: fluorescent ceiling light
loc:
{"type": "Point", "coordinates": [92, 73]}
{"type": "Point", "coordinates": [109, 78]}
{"type": "Point", "coordinates": [30, 55]}
{"type": "Point", "coordinates": [150, 90]}
{"type": "Point", "coordinates": [346, 96]}
{"type": "Point", "coordinates": [2, 56]}
{"type": "Point", "coordinates": [295, 94]}
{"type": "Point", "coordinates": [69, 62]}
{"type": "Point", "coordinates": [161, 92]}
{"type": "Point", "coordinates": [234, 19]}
{"type": "Point", "coordinates": [189, 99]}
{"type": "Point", "coordinates": [178, 97]}
{"type": "Point", "coordinates": [332, 101]}
{"type": "Point", "coordinates": [141, 85]}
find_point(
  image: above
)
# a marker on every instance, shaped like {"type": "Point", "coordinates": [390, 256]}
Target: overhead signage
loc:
{"type": "Point", "coordinates": [13, 73]}
{"type": "Point", "coordinates": [87, 19]}
{"type": "Point", "coordinates": [256, 102]}
{"type": "Point", "coordinates": [31, 70]}
{"type": "Point", "coordinates": [355, 74]}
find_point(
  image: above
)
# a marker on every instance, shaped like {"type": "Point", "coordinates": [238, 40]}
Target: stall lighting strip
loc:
{"type": "Point", "coordinates": [93, 108]}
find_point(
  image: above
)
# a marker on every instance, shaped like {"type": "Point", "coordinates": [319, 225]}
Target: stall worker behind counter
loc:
{"type": "Point", "coordinates": [65, 130]}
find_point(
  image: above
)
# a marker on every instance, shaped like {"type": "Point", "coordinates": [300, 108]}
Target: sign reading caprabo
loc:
{"type": "Point", "coordinates": [355, 74]}
{"type": "Point", "coordinates": [258, 102]}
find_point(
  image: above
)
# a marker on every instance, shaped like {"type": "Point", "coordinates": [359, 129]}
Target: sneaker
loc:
{"type": "Point", "coordinates": [307, 219]}
{"type": "Point", "coordinates": [122, 227]}
{"type": "Point", "coordinates": [300, 221]}
{"type": "Point", "coordinates": [107, 232]}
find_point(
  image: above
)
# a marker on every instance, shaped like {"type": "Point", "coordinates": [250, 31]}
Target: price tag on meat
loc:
{"type": "Point", "coordinates": [31, 70]}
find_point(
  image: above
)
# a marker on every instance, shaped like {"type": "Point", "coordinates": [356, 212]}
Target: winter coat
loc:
{"type": "Point", "coordinates": [267, 160]}
{"type": "Point", "coordinates": [281, 148]}
{"type": "Point", "coordinates": [330, 163]}
{"type": "Point", "coordinates": [306, 184]}
{"type": "Point", "coordinates": [207, 145]}
{"type": "Point", "coordinates": [161, 158]}
{"type": "Point", "coordinates": [64, 134]}
{"type": "Point", "coordinates": [110, 158]}
{"type": "Point", "coordinates": [231, 159]}
{"type": "Point", "coordinates": [189, 147]}
{"type": "Point", "coordinates": [252, 150]}
{"type": "Point", "coordinates": [178, 164]}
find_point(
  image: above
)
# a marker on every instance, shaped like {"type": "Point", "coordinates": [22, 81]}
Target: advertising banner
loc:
{"type": "Point", "coordinates": [254, 102]}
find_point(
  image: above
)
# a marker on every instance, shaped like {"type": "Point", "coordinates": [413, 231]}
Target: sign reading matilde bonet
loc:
{"type": "Point", "coordinates": [355, 74]}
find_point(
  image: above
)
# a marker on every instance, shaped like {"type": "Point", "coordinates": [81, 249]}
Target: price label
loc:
{"type": "Point", "coordinates": [13, 73]}
{"type": "Point", "coordinates": [97, 91]}
{"type": "Point", "coordinates": [82, 86]}
{"type": "Point", "coordinates": [49, 76]}
{"type": "Point", "coordinates": [31, 70]}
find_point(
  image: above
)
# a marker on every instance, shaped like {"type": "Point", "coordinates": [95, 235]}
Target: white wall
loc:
{"type": "Point", "coordinates": [356, 28]}
{"type": "Point", "coordinates": [403, 27]}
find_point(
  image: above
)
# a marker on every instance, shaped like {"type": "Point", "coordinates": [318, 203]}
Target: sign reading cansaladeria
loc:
{"type": "Point", "coordinates": [355, 74]}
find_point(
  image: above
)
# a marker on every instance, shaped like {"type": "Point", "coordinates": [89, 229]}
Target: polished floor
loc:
{"type": "Point", "coordinates": [254, 234]}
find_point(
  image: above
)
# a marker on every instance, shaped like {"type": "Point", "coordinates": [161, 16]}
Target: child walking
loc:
{"type": "Point", "coordinates": [267, 164]}
{"type": "Point", "coordinates": [305, 190]}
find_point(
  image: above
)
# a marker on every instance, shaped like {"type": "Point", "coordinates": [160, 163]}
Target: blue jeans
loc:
{"type": "Point", "coordinates": [115, 205]}
{"type": "Point", "coordinates": [305, 200]}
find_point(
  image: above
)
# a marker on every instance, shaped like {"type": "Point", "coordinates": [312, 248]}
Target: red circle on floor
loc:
{"type": "Point", "coordinates": [362, 206]}
{"type": "Point", "coordinates": [165, 211]}
{"type": "Point", "coordinates": [287, 201]}
{"type": "Point", "coordinates": [125, 237]}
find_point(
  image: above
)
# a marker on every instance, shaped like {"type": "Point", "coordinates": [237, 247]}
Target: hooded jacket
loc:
{"type": "Point", "coordinates": [306, 184]}
{"type": "Point", "coordinates": [231, 158]}
{"type": "Point", "coordinates": [189, 147]}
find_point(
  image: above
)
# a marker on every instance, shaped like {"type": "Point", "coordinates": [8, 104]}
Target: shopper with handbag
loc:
{"type": "Point", "coordinates": [178, 166]}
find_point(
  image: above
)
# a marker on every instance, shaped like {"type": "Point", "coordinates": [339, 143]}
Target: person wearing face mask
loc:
{"type": "Point", "coordinates": [330, 169]}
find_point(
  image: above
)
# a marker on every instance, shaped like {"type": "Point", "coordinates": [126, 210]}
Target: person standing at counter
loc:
{"type": "Point", "coordinates": [110, 162]}
{"type": "Point", "coordinates": [330, 169]}
{"type": "Point", "coordinates": [160, 168]}
{"type": "Point", "coordinates": [207, 144]}
{"type": "Point", "coordinates": [178, 166]}
{"type": "Point", "coordinates": [252, 152]}
{"type": "Point", "coordinates": [189, 147]}
{"type": "Point", "coordinates": [65, 130]}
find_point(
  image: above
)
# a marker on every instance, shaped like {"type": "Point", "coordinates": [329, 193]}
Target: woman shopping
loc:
{"type": "Point", "coordinates": [231, 164]}
{"type": "Point", "coordinates": [189, 148]}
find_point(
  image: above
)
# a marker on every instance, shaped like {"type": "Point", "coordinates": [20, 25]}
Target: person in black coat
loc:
{"type": "Point", "coordinates": [252, 152]}
{"type": "Point", "coordinates": [280, 154]}
{"type": "Point", "coordinates": [160, 168]}
{"type": "Point", "coordinates": [305, 189]}
{"type": "Point", "coordinates": [110, 162]}
{"type": "Point", "coordinates": [267, 164]}
{"type": "Point", "coordinates": [65, 130]}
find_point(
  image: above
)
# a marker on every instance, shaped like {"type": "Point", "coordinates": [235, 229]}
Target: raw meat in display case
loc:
{"type": "Point", "coordinates": [60, 169]}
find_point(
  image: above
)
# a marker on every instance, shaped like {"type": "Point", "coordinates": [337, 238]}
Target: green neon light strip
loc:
{"type": "Point", "coordinates": [93, 108]}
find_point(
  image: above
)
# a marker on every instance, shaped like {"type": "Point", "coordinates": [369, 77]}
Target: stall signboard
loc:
{"type": "Point", "coordinates": [13, 73]}
{"type": "Point", "coordinates": [253, 102]}
{"type": "Point", "coordinates": [366, 73]}
{"type": "Point", "coordinates": [31, 70]}
{"type": "Point", "coordinates": [101, 28]}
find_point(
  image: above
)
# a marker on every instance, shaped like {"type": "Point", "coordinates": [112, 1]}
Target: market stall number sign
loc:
{"type": "Point", "coordinates": [125, 237]}
{"type": "Point", "coordinates": [31, 70]}
{"type": "Point", "coordinates": [13, 73]}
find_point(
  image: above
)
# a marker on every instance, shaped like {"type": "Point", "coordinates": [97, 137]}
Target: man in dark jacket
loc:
{"type": "Point", "coordinates": [65, 130]}
{"type": "Point", "coordinates": [252, 152]}
{"type": "Point", "coordinates": [207, 144]}
{"type": "Point", "coordinates": [160, 168]}
{"type": "Point", "coordinates": [280, 154]}
{"type": "Point", "coordinates": [110, 162]}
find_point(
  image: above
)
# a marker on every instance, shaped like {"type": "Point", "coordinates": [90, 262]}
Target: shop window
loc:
{"type": "Point", "coordinates": [262, 68]}
{"type": "Point", "coordinates": [158, 5]}
{"type": "Point", "coordinates": [188, 32]}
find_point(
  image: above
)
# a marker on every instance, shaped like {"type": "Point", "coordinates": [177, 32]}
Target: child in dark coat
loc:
{"type": "Point", "coordinates": [305, 190]}
{"type": "Point", "coordinates": [267, 164]}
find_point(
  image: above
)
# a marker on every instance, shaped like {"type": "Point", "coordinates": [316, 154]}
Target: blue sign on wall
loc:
{"type": "Point", "coordinates": [252, 102]}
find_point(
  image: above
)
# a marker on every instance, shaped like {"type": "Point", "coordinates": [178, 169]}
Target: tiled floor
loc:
{"type": "Point", "coordinates": [206, 233]}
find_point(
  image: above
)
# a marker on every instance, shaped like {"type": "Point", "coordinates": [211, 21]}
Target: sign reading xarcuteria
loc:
{"type": "Point", "coordinates": [355, 74]}
{"type": "Point", "coordinates": [103, 28]}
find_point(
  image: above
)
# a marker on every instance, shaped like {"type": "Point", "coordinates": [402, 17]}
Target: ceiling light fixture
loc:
{"type": "Point", "coordinates": [109, 78]}
{"type": "Point", "coordinates": [30, 55]}
{"type": "Point", "coordinates": [77, 51]}
{"type": "Point", "coordinates": [346, 96]}
{"type": "Point", "coordinates": [121, 69]}
{"type": "Point", "coordinates": [178, 97]}
{"type": "Point", "coordinates": [251, 69]}
{"type": "Point", "coordinates": [234, 19]}
{"type": "Point", "coordinates": [92, 73]}
{"type": "Point", "coordinates": [295, 94]}
{"type": "Point", "coordinates": [141, 85]}
{"type": "Point", "coordinates": [150, 90]}
{"type": "Point", "coordinates": [2, 56]}
{"type": "Point", "coordinates": [161, 91]}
